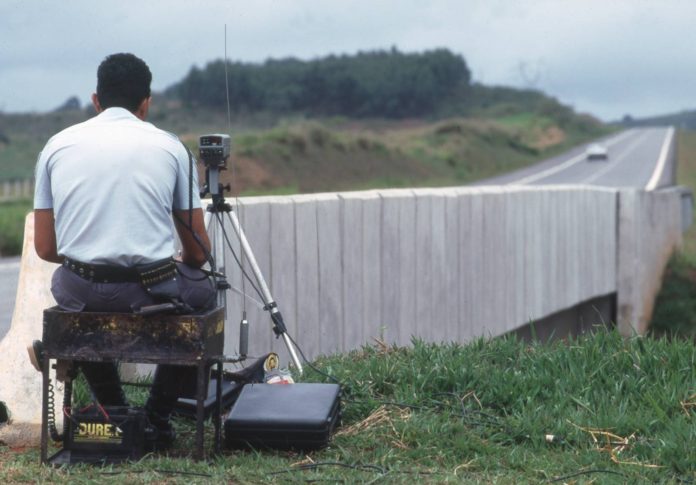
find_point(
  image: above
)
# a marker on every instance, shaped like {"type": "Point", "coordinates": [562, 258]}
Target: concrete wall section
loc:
{"type": "Point", "coordinates": [650, 229]}
{"type": "Point", "coordinates": [307, 254]}
{"type": "Point", "coordinates": [373, 323]}
{"type": "Point", "coordinates": [330, 283]}
{"type": "Point", "coordinates": [437, 264]}
{"type": "Point", "coordinates": [452, 277]}
{"type": "Point", "coordinates": [351, 228]}
{"type": "Point", "coordinates": [424, 295]}
{"type": "Point", "coordinates": [255, 219]}
{"type": "Point", "coordinates": [407, 320]}
{"type": "Point", "coordinates": [20, 383]}
{"type": "Point", "coordinates": [396, 249]}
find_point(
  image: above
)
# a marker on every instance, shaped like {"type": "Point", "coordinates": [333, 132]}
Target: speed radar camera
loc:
{"type": "Point", "coordinates": [214, 150]}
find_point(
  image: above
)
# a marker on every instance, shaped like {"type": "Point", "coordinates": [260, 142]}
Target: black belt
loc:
{"type": "Point", "coordinates": [104, 273]}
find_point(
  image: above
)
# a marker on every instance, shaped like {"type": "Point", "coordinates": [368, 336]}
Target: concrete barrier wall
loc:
{"type": "Point", "coordinates": [650, 229]}
{"type": "Point", "coordinates": [438, 264]}
{"type": "Point", "coordinates": [20, 383]}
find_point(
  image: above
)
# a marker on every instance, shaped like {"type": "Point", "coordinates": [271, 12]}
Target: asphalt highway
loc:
{"type": "Point", "coordinates": [637, 158]}
{"type": "Point", "coordinates": [9, 274]}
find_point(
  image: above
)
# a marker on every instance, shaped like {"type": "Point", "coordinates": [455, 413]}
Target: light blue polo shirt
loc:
{"type": "Point", "coordinates": [112, 183]}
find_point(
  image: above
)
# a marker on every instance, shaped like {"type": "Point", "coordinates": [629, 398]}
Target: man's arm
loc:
{"type": "Point", "coordinates": [191, 251]}
{"type": "Point", "coordinates": [45, 236]}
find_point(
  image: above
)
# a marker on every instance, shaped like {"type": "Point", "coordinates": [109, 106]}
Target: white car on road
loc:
{"type": "Point", "coordinates": [597, 152]}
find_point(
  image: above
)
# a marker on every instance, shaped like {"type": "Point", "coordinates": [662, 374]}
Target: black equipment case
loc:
{"type": "Point", "coordinates": [284, 416]}
{"type": "Point", "coordinates": [111, 434]}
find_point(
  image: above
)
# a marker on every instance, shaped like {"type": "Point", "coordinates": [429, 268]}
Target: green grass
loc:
{"type": "Point", "coordinates": [620, 411]}
{"type": "Point", "coordinates": [675, 306]}
{"type": "Point", "coordinates": [18, 158]}
{"type": "Point", "coordinates": [12, 215]}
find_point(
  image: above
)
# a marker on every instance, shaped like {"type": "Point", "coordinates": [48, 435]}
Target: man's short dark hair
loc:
{"type": "Point", "coordinates": [123, 80]}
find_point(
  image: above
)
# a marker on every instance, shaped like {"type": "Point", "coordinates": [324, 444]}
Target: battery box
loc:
{"type": "Point", "coordinates": [100, 435]}
{"type": "Point", "coordinates": [299, 416]}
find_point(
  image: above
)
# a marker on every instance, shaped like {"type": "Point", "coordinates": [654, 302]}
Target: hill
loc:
{"type": "Point", "coordinates": [685, 120]}
{"type": "Point", "coordinates": [299, 154]}
{"type": "Point", "coordinates": [375, 119]}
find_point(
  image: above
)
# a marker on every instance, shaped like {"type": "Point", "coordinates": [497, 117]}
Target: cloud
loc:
{"type": "Point", "coordinates": [606, 57]}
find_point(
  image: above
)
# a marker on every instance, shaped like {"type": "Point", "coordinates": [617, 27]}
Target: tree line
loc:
{"type": "Point", "coordinates": [385, 83]}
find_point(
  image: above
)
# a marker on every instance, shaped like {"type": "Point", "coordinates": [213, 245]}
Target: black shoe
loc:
{"type": "Point", "coordinates": [159, 434]}
{"type": "Point", "coordinates": [35, 351]}
{"type": "Point", "coordinates": [158, 410]}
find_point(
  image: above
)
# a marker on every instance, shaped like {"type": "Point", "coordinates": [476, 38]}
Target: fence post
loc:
{"type": "Point", "coordinates": [27, 188]}
{"type": "Point", "coordinates": [16, 189]}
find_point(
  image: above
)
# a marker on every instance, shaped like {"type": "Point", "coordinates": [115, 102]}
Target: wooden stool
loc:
{"type": "Point", "coordinates": [191, 340]}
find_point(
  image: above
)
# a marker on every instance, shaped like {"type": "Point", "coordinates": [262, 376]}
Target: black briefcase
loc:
{"type": "Point", "coordinates": [284, 416]}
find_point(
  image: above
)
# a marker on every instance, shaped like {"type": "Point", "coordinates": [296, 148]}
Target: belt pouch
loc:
{"type": "Point", "coordinates": [159, 279]}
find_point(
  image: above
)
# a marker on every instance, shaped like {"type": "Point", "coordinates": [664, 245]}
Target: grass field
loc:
{"type": "Point", "coordinates": [12, 215]}
{"type": "Point", "coordinates": [599, 409]}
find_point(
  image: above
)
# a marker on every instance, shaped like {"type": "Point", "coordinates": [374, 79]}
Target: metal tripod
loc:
{"type": "Point", "coordinates": [213, 219]}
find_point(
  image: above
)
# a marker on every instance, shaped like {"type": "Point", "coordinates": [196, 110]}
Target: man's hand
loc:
{"type": "Point", "coordinates": [191, 251]}
{"type": "Point", "coordinates": [45, 236]}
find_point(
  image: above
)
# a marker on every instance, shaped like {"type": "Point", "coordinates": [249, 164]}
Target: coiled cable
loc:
{"type": "Point", "coordinates": [51, 415]}
{"type": "Point", "coordinates": [51, 411]}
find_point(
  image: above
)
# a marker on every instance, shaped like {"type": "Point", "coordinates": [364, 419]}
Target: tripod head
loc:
{"type": "Point", "coordinates": [214, 151]}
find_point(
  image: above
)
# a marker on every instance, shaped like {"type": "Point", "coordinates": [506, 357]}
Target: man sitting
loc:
{"type": "Point", "coordinates": [108, 193]}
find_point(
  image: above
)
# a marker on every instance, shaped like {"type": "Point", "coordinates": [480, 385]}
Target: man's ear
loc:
{"type": "Point", "coordinates": [144, 107]}
{"type": "Point", "coordinates": [96, 104]}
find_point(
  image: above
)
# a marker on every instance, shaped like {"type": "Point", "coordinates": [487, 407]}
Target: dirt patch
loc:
{"type": "Point", "coordinates": [549, 137]}
{"type": "Point", "coordinates": [20, 435]}
{"type": "Point", "coordinates": [244, 174]}
{"type": "Point", "coordinates": [319, 172]}
{"type": "Point", "coordinates": [249, 174]}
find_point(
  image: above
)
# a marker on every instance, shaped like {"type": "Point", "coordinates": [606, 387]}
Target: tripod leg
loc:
{"type": "Point", "coordinates": [271, 306]}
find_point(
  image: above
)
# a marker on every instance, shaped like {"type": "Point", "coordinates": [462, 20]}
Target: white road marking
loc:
{"type": "Point", "coordinates": [661, 161]}
{"type": "Point", "coordinates": [568, 163]}
{"type": "Point", "coordinates": [616, 160]}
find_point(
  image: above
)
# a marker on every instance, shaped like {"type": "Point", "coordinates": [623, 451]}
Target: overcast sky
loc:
{"type": "Point", "coordinates": [605, 57]}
